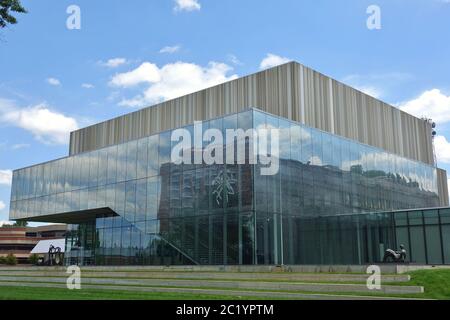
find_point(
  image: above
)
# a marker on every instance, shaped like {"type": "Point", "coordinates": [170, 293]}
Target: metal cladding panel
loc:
{"type": "Point", "coordinates": [292, 91]}
{"type": "Point", "coordinates": [442, 187]}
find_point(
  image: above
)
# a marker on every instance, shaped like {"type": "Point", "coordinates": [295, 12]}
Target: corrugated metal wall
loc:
{"type": "Point", "coordinates": [442, 187]}
{"type": "Point", "coordinates": [292, 91]}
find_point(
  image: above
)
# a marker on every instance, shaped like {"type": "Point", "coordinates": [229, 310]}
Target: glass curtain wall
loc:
{"type": "Point", "coordinates": [363, 238]}
{"type": "Point", "coordinates": [324, 175]}
{"type": "Point", "coordinates": [228, 214]}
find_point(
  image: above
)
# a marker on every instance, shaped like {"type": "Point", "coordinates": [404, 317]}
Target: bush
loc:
{"type": "Point", "coordinates": [33, 259]}
{"type": "Point", "coordinates": [2, 260]}
{"type": "Point", "coordinates": [11, 260]}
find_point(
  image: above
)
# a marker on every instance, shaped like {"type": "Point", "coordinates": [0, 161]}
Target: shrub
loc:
{"type": "Point", "coordinates": [33, 259]}
{"type": "Point", "coordinates": [2, 260]}
{"type": "Point", "coordinates": [11, 259]}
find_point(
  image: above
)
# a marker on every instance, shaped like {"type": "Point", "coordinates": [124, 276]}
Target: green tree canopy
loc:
{"type": "Point", "coordinates": [21, 223]}
{"type": "Point", "coordinates": [6, 7]}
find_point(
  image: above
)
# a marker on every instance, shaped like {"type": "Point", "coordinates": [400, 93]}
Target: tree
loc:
{"type": "Point", "coordinates": [20, 223]}
{"type": "Point", "coordinates": [11, 259]}
{"type": "Point", "coordinates": [6, 7]}
{"type": "Point", "coordinates": [7, 226]}
{"type": "Point", "coordinates": [33, 259]}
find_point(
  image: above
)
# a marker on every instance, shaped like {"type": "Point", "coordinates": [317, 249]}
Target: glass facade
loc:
{"type": "Point", "coordinates": [363, 238]}
{"type": "Point", "coordinates": [169, 213]}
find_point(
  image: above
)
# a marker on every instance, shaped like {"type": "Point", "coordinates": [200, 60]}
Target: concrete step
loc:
{"type": "Point", "coordinates": [231, 293]}
{"type": "Point", "coordinates": [361, 269]}
{"type": "Point", "coordinates": [248, 285]}
{"type": "Point", "coordinates": [288, 276]}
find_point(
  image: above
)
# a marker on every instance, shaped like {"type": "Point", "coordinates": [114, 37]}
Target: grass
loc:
{"type": "Point", "coordinates": [436, 283]}
{"type": "Point", "coordinates": [48, 293]}
{"type": "Point", "coordinates": [33, 293]}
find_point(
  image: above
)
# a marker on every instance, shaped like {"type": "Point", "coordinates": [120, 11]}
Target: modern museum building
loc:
{"type": "Point", "coordinates": [353, 176]}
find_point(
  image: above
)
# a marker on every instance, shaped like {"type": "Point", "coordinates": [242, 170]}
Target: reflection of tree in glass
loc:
{"type": "Point", "coordinates": [222, 184]}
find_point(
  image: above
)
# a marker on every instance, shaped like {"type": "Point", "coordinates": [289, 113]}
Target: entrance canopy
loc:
{"type": "Point", "coordinates": [44, 245]}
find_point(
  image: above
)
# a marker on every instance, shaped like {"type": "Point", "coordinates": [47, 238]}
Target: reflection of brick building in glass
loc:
{"type": "Point", "coordinates": [19, 241]}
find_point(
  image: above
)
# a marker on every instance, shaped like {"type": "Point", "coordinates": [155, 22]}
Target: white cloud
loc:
{"type": "Point", "coordinates": [234, 60]}
{"type": "Point", "coordinates": [87, 86]}
{"type": "Point", "coordinates": [442, 147]}
{"type": "Point", "coordinates": [53, 82]}
{"type": "Point", "coordinates": [47, 126]}
{"type": "Point", "coordinates": [2, 223]}
{"type": "Point", "coordinates": [432, 104]}
{"type": "Point", "coordinates": [448, 181]}
{"type": "Point", "coordinates": [20, 146]}
{"type": "Point", "coordinates": [170, 50]}
{"type": "Point", "coordinates": [376, 85]}
{"type": "Point", "coordinates": [187, 5]}
{"type": "Point", "coordinates": [378, 77]}
{"type": "Point", "coordinates": [170, 81]}
{"type": "Point", "coordinates": [5, 177]}
{"type": "Point", "coordinates": [272, 60]}
{"type": "Point", "coordinates": [146, 72]}
{"type": "Point", "coordinates": [114, 62]}
{"type": "Point", "coordinates": [2, 206]}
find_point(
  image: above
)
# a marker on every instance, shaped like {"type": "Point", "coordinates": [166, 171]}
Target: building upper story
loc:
{"type": "Point", "coordinates": [292, 91]}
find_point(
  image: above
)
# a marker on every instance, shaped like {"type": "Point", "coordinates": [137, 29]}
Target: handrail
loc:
{"type": "Point", "coordinates": [166, 241]}
{"type": "Point", "coordinates": [178, 249]}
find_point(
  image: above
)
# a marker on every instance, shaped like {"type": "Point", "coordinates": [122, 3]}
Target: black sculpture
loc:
{"type": "Point", "coordinates": [54, 256]}
{"type": "Point", "coordinates": [395, 256]}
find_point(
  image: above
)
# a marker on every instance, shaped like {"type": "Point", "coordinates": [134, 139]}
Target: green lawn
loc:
{"type": "Point", "coordinates": [32, 293]}
{"type": "Point", "coordinates": [436, 282]}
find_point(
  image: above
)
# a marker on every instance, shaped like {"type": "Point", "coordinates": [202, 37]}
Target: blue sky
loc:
{"type": "Point", "coordinates": [129, 54]}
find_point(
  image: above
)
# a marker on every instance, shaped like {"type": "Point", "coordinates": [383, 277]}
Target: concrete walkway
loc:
{"type": "Point", "coordinates": [288, 276]}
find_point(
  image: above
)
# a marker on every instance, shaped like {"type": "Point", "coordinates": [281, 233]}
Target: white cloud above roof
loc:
{"type": "Point", "coordinates": [170, 81]}
{"type": "Point", "coordinates": [114, 62]}
{"type": "Point", "coordinates": [46, 125]}
{"type": "Point", "coordinates": [2, 223]}
{"type": "Point", "coordinates": [53, 81]}
{"type": "Point", "coordinates": [87, 86]}
{"type": "Point", "coordinates": [170, 49]}
{"type": "Point", "coordinates": [5, 177]}
{"type": "Point", "coordinates": [272, 60]}
{"type": "Point", "coordinates": [187, 5]}
{"type": "Point", "coordinates": [431, 104]}
{"type": "Point", "coordinates": [442, 147]}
